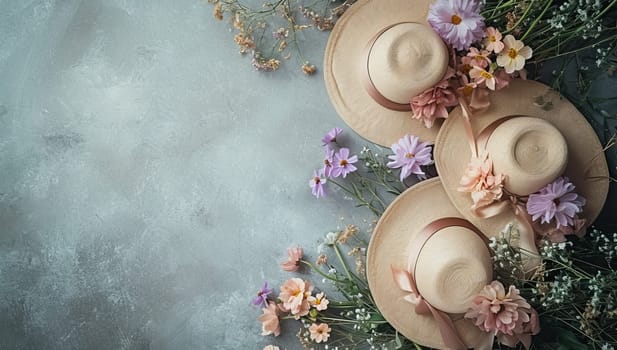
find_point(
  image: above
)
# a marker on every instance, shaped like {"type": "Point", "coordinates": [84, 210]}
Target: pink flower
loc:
{"type": "Point", "coordinates": [317, 183]}
{"type": "Point", "coordinates": [479, 180]}
{"type": "Point", "coordinates": [320, 332]}
{"type": "Point", "coordinates": [271, 347]}
{"type": "Point", "coordinates": [476, 57]}
{"type": "Point", "coordinates": [294, 295]}
{"type": "Point", "coordinates": [557, 235]}
{"type": "Point", "coordinates": [479, 75]}
{"type": "Point", "coordinates": [343, 163]}
{"type": "Point", "coordinates": [319, 301]}
{"type": "Point", "coordinates": [294, 255]}
{"type": "Point", "coordinates": [502, 79]}
{"type": "Point", "coordinates": [522, 334]}
{"type": "Point", "coordinates": [432, 103]}
{"type": "Point", "coordinates": [492, 42]}
{"type": "Point", "coordinates": [409, 155]}
{"type": "Point", "coordinates": [494, 310]}
{"type": "Point", "coordinates": [556, 200]}
{"type": "Point", "coordinates": [270, 320]}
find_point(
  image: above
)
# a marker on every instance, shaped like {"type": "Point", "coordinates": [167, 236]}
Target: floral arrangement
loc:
{"type": "Point", "coordinates": [570, 301]}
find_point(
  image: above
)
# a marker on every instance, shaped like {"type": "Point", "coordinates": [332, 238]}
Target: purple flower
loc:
{"type": "Point", "coordinates": [262, 296]}
{"type": "Point", "coordinates": [458, 22]}
{"type": "Point", "coordinates": [409, 155]}
{"type": "Point", "coordinates": [331, 136]}
{"type": "Point", "coordinates": [328, 161]}
{"type": "Point", "coordinates": [343, 163]}
{"type": "Point", "coordinates": [318, 183]}
{"type": "Point", "coordinates": [556, 200]}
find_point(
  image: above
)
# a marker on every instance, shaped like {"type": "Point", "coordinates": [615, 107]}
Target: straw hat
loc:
{"type": "Point", "coordinates": [450, 267]}
{"type": "Point", "coordinates": [531, 146]}
{"type": "Point", "coordinates": [379, 55]}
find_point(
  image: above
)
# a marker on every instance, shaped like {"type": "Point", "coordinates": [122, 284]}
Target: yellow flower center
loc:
{"type": "Point", "coordinates": [479, 58]}
{"type": "Point", "coordinates": [344, 162]}
{"type": "Point", "coordinates": [317, 179]}
{"type": "Point", "coordinates": [486, 75]}
{"type": "Point", "coordinates": [326, 162]}
{"type": "Point", "coordinates": [260, 293]}
{"type": "Point", "coordinates": [512, 53]}
{"type": "Point", "coordinates": [409, 155]}
{"type": "Point", "coordinates": [296, 292]}
{"type": "Point", "coordinates": [456, 20]}
{"type": "Point", "coordinates": [317, 301]}
{"type": "Point", "coordinates": [492, 38]}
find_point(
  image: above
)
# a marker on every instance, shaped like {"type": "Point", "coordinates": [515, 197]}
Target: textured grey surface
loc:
{"type": "Point", "coordinates": [150, 178]}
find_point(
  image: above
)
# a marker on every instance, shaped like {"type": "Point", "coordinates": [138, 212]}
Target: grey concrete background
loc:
{"type": "Point", "coordinates": [151, 180]}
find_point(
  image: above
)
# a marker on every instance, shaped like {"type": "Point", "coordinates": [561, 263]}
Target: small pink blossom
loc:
{"type": "Point", "coordinates": [320, 332]}
{"type": "Point", "coordinates": [294, 255]}
{"type": "Point", "coordinates": [484, 186]}
{"type": "Point", "coordinates": [432, 103]}
{"type": "Point", "coordinates": [270, 323]}
{"type": "Point", "coordinates": [328, 161]}
{"type": "Point", "coordinates": [294, 295]}
{"type": "Point", "coordinates": [476, 57]}
{"type": "Point", "coordinates": [319, 301]}
{"type": "Point", "coordinates": [502, 79]}
{"type": "Point", "coordinates": [330, 136]}
{"type": "Point", "coordinates": [479, 76]}
{"type": "Point", "coordinates": [508, 315]}
{"type": "Point", "coordinates": [493, 42]}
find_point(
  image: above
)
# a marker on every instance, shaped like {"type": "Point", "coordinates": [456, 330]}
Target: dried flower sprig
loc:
{"type": "Point", "coordinates": [270, 33]}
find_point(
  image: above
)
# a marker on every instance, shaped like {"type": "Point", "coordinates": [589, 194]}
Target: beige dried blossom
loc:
{"type": "Point", "coordinates": [360, 265]}
{"type": "Point", "coordinates": [319, 22]}
{"type": "Point", "coordinates": [245, 42]}
{"type": "Point", "coordinates": [217, 13]}
{"type": "Point", "coordinates": [239, 22]}
{"type": "Point", "coordinates": [355, 251]}
{"type": "Point", "coordinates": [266, 65]}
{"type": "Point", "coordinates": [321, 260]}
{"type": "Point", "coordinates": [282, 45]}
{"type": "Point", "coordinates": [350, 230]}
{"type": "Point", "coordinates": [340, 9]}
{"type": "Point", "coordinates": [309, 69]}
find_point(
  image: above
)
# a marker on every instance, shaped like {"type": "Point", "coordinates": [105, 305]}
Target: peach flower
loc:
{"type": "Point", "coordinates": [271, 347]}
{"type": "Point", "coordinates": [514, 54]}
{"type": "Point", "coordinates": [479, 76]}
{"type": "Point", "coordinates": [479, 180]}
{"type": "Point", "coordinates": [508, 315]}
{"type": "Point", "coordinates": [270, 320]}
{"type": "Point", "coordinates": [294, 295]}
{"type": "Point", "coordinates": [319, 302]}
{"type": "Point", "coordinates": [476, 57]}
{"type": "Point", "coordinates": [294, 255]}
{"type": "Point", "coordinates": [432, 103]}
{"type": "Point", "coordinates": [320, 332]}
{"type": "Point", "coordinates": [493, 42]}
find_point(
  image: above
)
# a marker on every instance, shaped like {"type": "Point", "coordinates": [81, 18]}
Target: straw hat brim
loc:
{"type": "Point", "coordinates": [344, 63]}
{"type": "Point", "coordinates": [587, 168]}
{"type": "Point", "coordinates": [401, 222]}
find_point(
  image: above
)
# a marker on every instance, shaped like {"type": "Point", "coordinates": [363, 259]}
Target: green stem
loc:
{"type": "Point", "coordinates": [533, 24]}
{"type": "Point", "coordinates": [321, 272]}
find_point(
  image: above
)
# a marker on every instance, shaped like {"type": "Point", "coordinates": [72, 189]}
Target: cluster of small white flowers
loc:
{"type": "Point", "coordinates": [554, 251]}
{"type": "Point", "coordinates": [560, 291]}
{"type": "Point", "coordinates": [504, 255]}
{"type": "Point", "coordinates": [606, 244]}
{"type": "Point", "coordinates": [607, 347]}
{"type": "Point", "coordinates": [596, 285]}
{"type": "Point", "coordinates": [585, 11]}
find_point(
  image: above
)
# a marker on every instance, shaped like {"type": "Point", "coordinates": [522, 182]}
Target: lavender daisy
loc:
{"type": "Point", "coordinates": [458, 22]}
{"type": "Point", "coordinates": [343, 163]}
{"type": "Point", "coordinates": [317, 183]}
{"type": "Point", "coordinates": [328, 161]}
{"type": "Point", "coordinates": [262, 295]}
{"type": "Point", "coordinates": [409, 155]}
{"type": "Point", "coordinates": [331, 136]}
{"type": "Point", "coordinates": [556, 200]}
